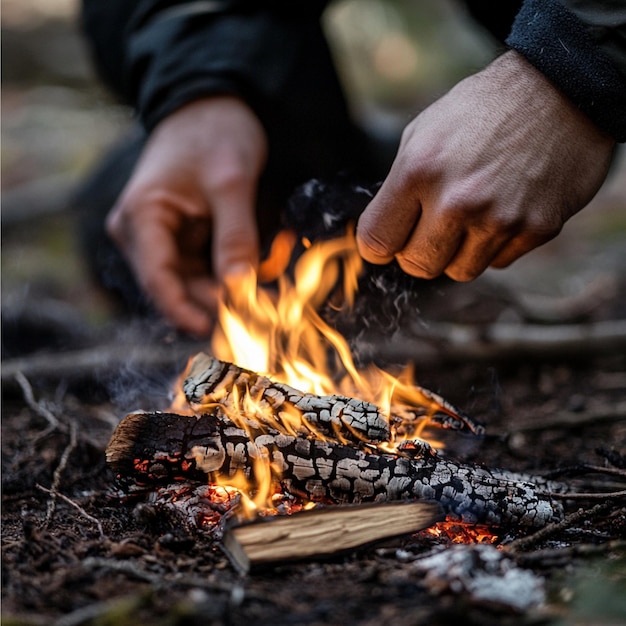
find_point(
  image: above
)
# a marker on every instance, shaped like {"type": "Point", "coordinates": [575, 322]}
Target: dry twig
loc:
{"type": "Point", "coordinates": [38, 407]}
{"type": "Point", "coordinates": [436, 343]}
{"type": "Point", "coordinates": [613, 495]}
{"type": "Point", "coordinates": [58, 472]}
{"type": "Point", "coordinates": [581, 549]}
{"type": "Point", "coordinates": [132, 569]}
{"type": "Point", "coordinates": [543, 533]}
{"type": "Point", "coordinates": [569, 419]}
{"type": "Point", "coordinates": [93, 361]}
{"type": "Point", "coordinates": [77, 506]}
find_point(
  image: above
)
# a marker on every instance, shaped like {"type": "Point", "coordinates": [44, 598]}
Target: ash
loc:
{"type": "Point", "coordinates": [485, 574]}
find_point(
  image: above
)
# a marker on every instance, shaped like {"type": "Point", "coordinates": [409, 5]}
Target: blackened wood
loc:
{"type": "Point", "coordinates": [211, 381]}
{"type": "Point", "coordinates": [148, 449]}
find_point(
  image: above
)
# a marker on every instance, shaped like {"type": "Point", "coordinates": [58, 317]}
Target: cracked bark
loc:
{"type": "Point", "coordinates": [149, 449]}
{"type": "Point", "coordinates": [213, 382]}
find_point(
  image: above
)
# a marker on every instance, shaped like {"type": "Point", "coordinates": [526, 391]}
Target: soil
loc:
{"type": "Point", "coordinates": [89, 556]}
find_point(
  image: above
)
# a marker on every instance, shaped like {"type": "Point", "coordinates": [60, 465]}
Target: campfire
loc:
{"type": "Point", "coordinates": [278, 421]}
{"type": "Point", "coordinates": [350, 493]}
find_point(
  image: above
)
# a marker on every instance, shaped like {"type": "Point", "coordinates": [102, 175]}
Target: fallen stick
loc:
{"type": "Point", "coordinates": [94, 362]}
{"type": "Point", "coordinates": [566, 554]}
{"type": "Point", "coordinates": [149, 449]}
{"type": "Point", "coordinates": [568, 419]}
{"type": "Point", "coordinates": [523, 543]}
{"type": "Point", "coordinates": [433, 343]}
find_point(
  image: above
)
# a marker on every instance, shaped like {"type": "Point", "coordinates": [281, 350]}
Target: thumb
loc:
{"type": "Point", "coordinates": [235, 233]}
{"type": "Point", "coordinates": [387, 222]}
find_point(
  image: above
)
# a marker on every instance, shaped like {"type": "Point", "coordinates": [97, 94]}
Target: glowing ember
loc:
{"type": "Point", "coordinates": [456, 532]}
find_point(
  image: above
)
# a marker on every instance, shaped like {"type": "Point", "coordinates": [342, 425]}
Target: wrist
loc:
{"type": "Point", "coordinates": [524, 82]}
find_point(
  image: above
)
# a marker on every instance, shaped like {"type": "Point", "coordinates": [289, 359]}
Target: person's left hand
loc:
{"type": "Point", "coordinates": [484, 175]}
{"type": "Point", "coordinates": [196, 181]}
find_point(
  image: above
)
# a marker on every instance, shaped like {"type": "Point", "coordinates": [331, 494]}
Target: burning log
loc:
{"type": "Point", "coordinates": [213, 382]}
{"type": "Point", "coordinates": [150, 449]}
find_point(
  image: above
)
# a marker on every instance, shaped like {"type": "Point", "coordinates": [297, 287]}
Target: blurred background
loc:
{"type": "Point", "coordinates": [395, 56]}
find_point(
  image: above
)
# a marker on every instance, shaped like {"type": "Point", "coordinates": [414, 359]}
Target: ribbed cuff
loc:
{"type": "Point", "coordinates": [558, 44]}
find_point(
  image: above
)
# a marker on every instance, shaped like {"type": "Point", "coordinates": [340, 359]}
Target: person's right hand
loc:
{"type": "Point", "coordinates": [484, 175]}
{"type": "Point", "coordinates": [196, 180]}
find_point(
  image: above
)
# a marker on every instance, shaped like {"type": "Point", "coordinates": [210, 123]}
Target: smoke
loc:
{"type": "Point", "coordinates": [152, 358]}
{"type": "Point", "coordinates": [388, 299]}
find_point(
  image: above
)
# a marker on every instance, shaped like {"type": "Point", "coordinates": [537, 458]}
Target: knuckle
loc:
{"type": "Point", "coordinates": [150, 285]}
{"type": "Point", "coordinates": [114, 224]}
{"type": "Point", "coordinates": [371, 246]}
{"type": "Point", "coordinates": [416, 267]}
{"type": "Point", "coordinates": [462, 274]}
{"type": "Point", "coordinates": [227, 175]}
{"type": "Point", "coordinates": [235, 237]}
{"type": "Point", "coordinates": [545, 225]}
{"type": "Point", "coordinates": [234, 245]}
{"type": "Point", "coordinates": [500, 264]}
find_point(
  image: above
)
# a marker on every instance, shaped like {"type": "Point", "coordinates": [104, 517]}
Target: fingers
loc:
{"type": "Point", "coordinates": [387, 223]}
{"type": "Point", "coordinates": [183, 295]}
{"type": "Point", "coordinates": [433, 243]}
{"type": "Point", "coordinates": [457, 237]}
{"type": "Point", "coordinates": [196, 180]}
{"type": "Point", "coordinates": [444, 243]}
{"type": "Point", "coordinates": [235, 233]}
{"type": "Point", "coordinates": [476, 252]}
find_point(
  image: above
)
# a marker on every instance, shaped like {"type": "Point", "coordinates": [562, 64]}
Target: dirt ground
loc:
{"type": "Point", "coordinates": [80, 554]}
{"type": "Point", "coordinates": [76, 553]}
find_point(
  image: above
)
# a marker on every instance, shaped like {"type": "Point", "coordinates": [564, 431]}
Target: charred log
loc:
{"type": "Point", "coordinates": [213, 382]}
{"type": "Point", "coordinates": [148, 449]}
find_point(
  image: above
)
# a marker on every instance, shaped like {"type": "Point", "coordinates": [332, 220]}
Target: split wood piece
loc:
{"type": "Point", "coordinates": [211, 382]}
{"type": "Point", "coordinates": [324, 531]}
{"type": "Point", "coordinates": [148, 449]}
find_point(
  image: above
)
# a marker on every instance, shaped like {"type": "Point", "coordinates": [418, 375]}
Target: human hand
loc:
{"type": "Point", "coordinates": [484, 175]}
{"type": "Point", "coordinates": [195, 181]}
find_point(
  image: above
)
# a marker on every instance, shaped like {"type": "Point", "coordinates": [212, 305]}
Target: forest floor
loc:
{"type": "Point", "coordinates": [75, 552]}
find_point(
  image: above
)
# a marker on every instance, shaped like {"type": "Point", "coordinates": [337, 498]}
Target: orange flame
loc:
{"type": "Point", "coordinates": [283, 336]}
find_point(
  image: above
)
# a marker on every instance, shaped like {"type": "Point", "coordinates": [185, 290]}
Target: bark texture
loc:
{"type": "Point", "coordinates": [148, 449]}
{"type": "Point", "coordinates": [348, 420]}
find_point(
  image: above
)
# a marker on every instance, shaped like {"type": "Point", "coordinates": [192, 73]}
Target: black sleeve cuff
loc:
{"type": "Point", "coordinates": [558, 44]}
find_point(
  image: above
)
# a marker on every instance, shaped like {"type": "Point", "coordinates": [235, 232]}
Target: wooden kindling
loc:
{"type": "Point", "coordinates": [150, 449]}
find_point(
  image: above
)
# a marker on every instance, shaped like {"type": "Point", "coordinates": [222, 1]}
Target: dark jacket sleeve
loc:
{"type": "Point", "coordinates": [170, 52]}
{"type": "Point", "coordinates": [580, 45]}
{"type": "Point", "coordinates": [272, 53]}
{"type": "Point", "coordinates": [160, 54]}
